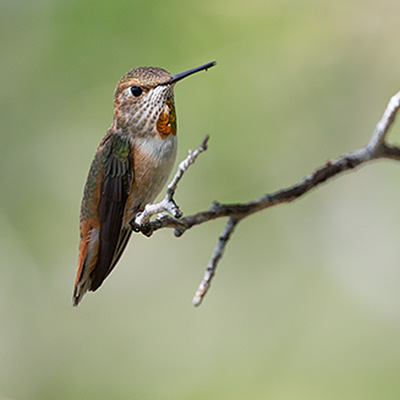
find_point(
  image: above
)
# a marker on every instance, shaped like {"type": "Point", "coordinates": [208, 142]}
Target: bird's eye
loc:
{"type": "Point", "coordinates": [136, 91]}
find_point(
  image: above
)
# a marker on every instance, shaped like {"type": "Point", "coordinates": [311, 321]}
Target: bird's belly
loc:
{"type": "Point", "coordinates": [153, 159]}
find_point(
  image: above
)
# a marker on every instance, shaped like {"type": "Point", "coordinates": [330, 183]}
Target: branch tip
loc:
{"type": "Point", "coordinates": [212, 265]}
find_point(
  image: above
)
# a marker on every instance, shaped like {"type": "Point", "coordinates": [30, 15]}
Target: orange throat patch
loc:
{"type": "Point", "coordinates": [166, 124]}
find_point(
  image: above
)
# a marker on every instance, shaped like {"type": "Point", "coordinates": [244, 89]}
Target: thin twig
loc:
{"type": "Point", "coordinates": [184, 165]}
{"type": "Point", "coordinates": [212, 265]}
{"type": "Point", "coordinates": [383, 126]}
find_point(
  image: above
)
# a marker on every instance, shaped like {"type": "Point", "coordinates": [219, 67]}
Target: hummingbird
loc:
{"type": "Point", "coordinates": [129, 169]}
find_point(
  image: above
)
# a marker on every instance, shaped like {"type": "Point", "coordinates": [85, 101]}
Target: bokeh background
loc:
{"type": "Point", "coordinates": [306, 301]}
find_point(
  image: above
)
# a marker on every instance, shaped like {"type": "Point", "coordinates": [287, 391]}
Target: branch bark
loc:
{"type": "Point", "coordinates": [377, 148]}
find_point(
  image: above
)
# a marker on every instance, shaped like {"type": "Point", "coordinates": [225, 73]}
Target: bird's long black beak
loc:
{"type": "Point", "coordinates": [182, 75]}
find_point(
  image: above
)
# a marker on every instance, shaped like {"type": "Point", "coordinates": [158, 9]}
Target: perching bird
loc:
{"type": "Point", "coordinates": [129, 169]}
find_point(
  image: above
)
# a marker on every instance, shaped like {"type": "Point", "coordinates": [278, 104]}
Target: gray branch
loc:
{"type": "Point", "coordinates": [210, 271]}
{"type": "Point", "coordinates": [377, 148]}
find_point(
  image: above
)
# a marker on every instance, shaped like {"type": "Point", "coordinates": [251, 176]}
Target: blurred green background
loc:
{"type": "Point", "coordinates": [306, 301]}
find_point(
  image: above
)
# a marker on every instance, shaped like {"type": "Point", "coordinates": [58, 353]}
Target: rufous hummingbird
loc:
{"type": "Point", "coordinates": [129, 169]}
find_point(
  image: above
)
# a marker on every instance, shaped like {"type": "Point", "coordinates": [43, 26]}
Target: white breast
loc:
{"type": "Point", "coordinates": [161, 151]}
{"type": "Point", "coordinates": [151, 173]}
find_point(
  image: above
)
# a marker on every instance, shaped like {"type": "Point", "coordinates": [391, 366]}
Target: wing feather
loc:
{"type": "Point", "coordinates": [114, 193]}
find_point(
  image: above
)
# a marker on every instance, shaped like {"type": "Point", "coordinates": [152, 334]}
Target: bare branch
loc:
{"type": "Point", "coordinates": [376, 148]}
{"type": "Point", "coordinates": [212, 265]}
{"type": "Point", "coordinates": [383, 126]}
{"type": "Point", "coordinates": [184, 165]}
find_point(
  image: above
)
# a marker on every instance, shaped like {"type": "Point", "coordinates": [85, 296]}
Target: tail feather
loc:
{"type": "Point", "coordinates": [85, 280]}
{"type": "Point", "coordinates": [88, 254]}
